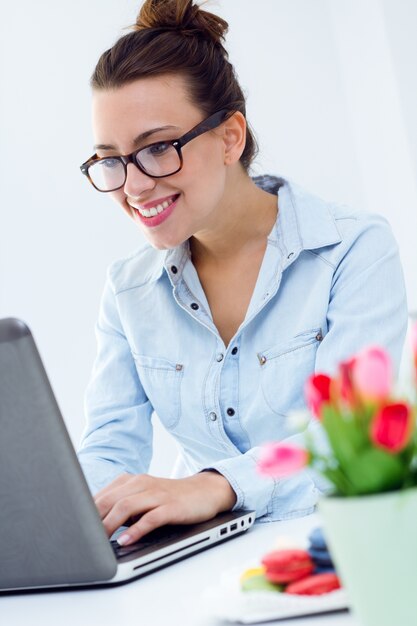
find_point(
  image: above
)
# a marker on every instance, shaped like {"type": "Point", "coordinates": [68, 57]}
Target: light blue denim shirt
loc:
{"type": "Point", "coordinates": [330, 283]}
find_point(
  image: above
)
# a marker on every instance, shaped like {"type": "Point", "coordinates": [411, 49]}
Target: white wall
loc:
{"type": "Point", "coordinates": [331, 94]}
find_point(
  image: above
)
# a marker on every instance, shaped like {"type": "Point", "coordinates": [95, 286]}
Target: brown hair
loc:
{"type": "Point", "coordinates": [177, 37]}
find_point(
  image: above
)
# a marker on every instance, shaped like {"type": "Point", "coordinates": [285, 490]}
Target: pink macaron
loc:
{"type": "Point", "coordinates": [314, 585]}
{"type": "Point", "coordinates": [285, 566]}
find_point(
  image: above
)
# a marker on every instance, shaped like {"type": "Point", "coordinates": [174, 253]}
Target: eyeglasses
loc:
{"type": "Point", "coordinates": [157, 160]}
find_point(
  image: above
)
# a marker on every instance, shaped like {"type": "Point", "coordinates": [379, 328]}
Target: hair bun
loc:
{"type": "Point", "coordinates": [182, 16]}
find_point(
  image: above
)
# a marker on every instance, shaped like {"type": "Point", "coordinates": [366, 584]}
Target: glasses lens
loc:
{"type": "Point", "coordinates": [159, 159]}
{"type": "Point", "coordinates": [107, 174]}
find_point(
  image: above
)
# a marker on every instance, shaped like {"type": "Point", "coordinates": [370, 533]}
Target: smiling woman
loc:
{"type": "Point", "coordinates": [245, 287]}
{"type": "Point", "coordinates": [189, 175]}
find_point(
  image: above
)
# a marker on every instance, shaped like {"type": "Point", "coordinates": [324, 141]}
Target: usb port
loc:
{"type": "Point", "coordinates": [233, 527]}
{"type": "Point", "coordinates": [223, 531]}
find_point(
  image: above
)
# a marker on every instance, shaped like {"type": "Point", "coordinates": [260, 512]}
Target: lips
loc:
{"type": "Point", "coordinates": [154, 213]}
{"type": "Point", "coordinates": [154, 203]}
{"type": "Point", "coordinates": [153, 209]}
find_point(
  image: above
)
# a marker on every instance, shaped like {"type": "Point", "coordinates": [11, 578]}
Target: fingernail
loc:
{"type": "Point", "coordinates": [123, 540]}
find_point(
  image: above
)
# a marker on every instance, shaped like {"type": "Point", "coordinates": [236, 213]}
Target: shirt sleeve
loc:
{"type": "Point", "coordinates": [118, 434]}
{"type": "Point", "coordinates": [367, 305]}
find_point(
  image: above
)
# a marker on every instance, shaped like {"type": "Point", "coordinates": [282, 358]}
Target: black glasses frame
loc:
{"type": "Point", "coordinates": [202, 127]}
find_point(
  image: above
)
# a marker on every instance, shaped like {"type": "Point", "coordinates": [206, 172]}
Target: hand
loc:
{"type": "Point", "coordinates": [160, 501]}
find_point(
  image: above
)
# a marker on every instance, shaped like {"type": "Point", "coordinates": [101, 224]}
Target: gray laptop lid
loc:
{"type": "Point", "coordinates": [50, 530]}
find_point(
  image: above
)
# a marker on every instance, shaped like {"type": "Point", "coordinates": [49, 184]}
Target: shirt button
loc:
{"type": "Point", "coordinates": [234, 351]}
{"type": "Point", "coordinates": [213, 416]}
{"type": "Point", "coordinates": [194, 306]}
{"type": "Point", "coordinates": [290, 255]}
{"type": "Point", "coordinates": [174, 269]}
{"type": "Point", "coordinates": [219, 357]}
{"type": "Point", "coordinates": [319, 336]}
{"type": "Point", "coordinates": [230, 411]}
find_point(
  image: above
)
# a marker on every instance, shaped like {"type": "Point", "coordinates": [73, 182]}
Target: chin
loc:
{"type": "Point", "coordinates": [167, 243]}
{"type": "Point", "coordinates": [159, 245]}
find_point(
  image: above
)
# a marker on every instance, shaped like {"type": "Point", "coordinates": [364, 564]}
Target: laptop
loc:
{"type": "Point", "coordinates": [51, 535]}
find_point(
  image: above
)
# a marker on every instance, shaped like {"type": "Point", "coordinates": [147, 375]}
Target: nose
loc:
{"type": "Point", "coordinates": [137, 182]}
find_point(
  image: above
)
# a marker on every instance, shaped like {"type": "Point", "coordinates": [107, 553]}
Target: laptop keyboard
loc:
{"type": "Point", "coordinates": [153, 539]}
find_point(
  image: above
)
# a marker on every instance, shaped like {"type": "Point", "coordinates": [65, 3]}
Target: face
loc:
{"type": "Point", "coordinates": [191, 199]}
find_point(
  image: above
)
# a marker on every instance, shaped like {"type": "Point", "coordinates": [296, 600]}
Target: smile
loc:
{"type": "Point", "coordinates": [154, 214]}
{"type": "Point", "coordinates": [158, 208]}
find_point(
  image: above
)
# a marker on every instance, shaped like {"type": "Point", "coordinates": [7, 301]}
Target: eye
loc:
{"type": "Point", "coordinates": [158, 149]}
{"type": "Point", "coordinates": [109, 163]}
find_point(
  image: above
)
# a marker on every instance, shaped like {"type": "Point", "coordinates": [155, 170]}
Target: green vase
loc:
{"type": "Point", "coordinates": [373, 540]}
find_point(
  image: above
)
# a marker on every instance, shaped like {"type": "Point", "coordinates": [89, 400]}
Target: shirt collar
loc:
{"type": "Point", "coordinates": [304, 223]}
{"type": "Point", "coordinates": [172, 260]}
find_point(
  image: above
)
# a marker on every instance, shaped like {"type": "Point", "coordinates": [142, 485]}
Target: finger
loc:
{"type": "Point", "coordinates": [122, 478]}
{"type": "Point", "coordinates": [107, 499]}
{"type": "Point", "coordinates": [155, 518]}
{"type": "Point", "coordinates": [118, 490]}
{"type": "Point", "coordinates": [129, 506]}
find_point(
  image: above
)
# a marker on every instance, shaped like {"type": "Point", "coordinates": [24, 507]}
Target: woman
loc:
{"type": "Point", "coordinates": [245, 288]}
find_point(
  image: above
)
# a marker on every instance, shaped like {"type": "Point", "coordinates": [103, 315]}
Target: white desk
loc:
{"type": "Point", "coordinates": [159, 599]}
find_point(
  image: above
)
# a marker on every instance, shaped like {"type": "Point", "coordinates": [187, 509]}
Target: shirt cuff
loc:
{"type": "Point", "coordinates": [253, 491]}
{"type": "Point", "coordinates": [271, 499]}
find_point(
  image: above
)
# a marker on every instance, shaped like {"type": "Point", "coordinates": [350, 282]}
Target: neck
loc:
{"type": "Point", "coordinates": [242, 222]}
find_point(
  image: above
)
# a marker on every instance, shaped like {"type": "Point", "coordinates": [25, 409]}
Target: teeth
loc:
{"type": "Point", "coordinates": [156, 209]}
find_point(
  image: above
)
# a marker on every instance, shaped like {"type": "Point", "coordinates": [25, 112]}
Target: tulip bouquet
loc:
{"type": "Point", "coordinates": [371, 433]}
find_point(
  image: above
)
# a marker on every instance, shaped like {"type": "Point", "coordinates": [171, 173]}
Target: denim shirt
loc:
{"type": "Point", "coordinates": [330, 283]}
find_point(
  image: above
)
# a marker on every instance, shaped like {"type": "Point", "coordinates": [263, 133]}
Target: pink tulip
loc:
{"type": "Point", "coordinates": [281, 459]}
{"type": "Point", "coordinates": [344, 384]}
{"type": "Point", "coordinates": [317, 392]}
{"type": "Point", "coordinates": [372, 374]}
{"type": "Point", "coordinates": [392, 427]}
{"type": "Point", "coordinates": [414, 338]}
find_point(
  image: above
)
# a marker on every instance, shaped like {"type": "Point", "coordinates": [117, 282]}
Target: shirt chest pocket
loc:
{"type": "Point", "coordinates": [285, 369]}
{"type": "Point", "coordinates": [161, 380]}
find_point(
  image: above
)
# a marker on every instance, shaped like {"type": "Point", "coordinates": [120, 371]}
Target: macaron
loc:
{"type": "Point", "coordinates": [319, 551]}
{"type": "Point", "coordinates": [285, 566]}
{"type": "Point", "coordinates": [314, 585]}
{"type": "Point", "coordinates": [321, 569]}
{"type": "Point", "coordinates": [321, 558]}
{"type": "Point", "coordinates": [317, 540]}
{"type": "Point", "coordinates": [254, 580]}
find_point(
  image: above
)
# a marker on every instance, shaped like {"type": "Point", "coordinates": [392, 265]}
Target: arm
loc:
{"type": "Point", "coordinates": [116, 447]}
{"type": "Point", "coordinates": [118, 434]}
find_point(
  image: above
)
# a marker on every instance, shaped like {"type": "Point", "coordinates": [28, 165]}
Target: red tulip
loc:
{"type": "Point", "coordinates": [317, 392]}
{"type": "Point", "coordinates": [281, 459]}
{"type": "Point", "coordinates": [392, 427]}
{"type": "Point", "coordinates": [372, 374]}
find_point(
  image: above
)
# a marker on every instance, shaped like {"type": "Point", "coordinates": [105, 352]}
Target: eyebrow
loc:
{"type": "Point", "coordinates": [137, 140]}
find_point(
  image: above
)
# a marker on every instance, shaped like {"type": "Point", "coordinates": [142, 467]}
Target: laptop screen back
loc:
{"type": "Point", "coordinates": [50, 531]}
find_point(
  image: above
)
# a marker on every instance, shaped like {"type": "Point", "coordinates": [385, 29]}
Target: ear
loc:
{"type": "Point", "coordinates": [234, 138]}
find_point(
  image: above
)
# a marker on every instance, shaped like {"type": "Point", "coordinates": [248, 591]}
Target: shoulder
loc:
{"type": "Point", "coordinates": [333, 229]}
{"type": "Point", "coordinates": [141, 267]}
{"type": "Point", "coordinates": [364, 233]}
{"type": "Point", "coordinates": [352, 222]}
